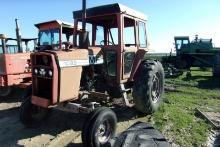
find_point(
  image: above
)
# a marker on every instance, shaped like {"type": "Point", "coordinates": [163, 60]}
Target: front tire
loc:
{"type": "Point", "coordinates": [5, 91]}
{"type": "Point", "coordinates": [32, 115]}
{"type": "Point", "coordinates": [99, 127]}
{"type": "Point", "coordinates": [148, 87]}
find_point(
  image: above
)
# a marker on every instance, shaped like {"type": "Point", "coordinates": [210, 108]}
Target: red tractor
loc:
{"type": "Point", "coordinates": [84, 76]}
{"type": "Point", "coordinates": [15, 62]}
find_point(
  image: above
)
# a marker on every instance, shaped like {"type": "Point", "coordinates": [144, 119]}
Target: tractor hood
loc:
{"type": "Point", "coordinates": [80, 57]}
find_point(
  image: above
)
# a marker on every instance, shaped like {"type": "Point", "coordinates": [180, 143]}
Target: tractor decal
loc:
{"type": "Point", "coordinates": [90, 61]}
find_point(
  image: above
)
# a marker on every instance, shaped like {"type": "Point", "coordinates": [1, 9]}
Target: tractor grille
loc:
{"type": "Point", "coordinates": [43, 88]}
{"type": "Point", "coordinates": [42, 73]}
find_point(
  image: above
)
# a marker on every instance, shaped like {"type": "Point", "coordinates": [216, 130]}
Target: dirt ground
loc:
{"type": "Point", "coordinates": [60, 129]}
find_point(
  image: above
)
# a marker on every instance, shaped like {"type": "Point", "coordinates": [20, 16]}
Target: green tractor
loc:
{"type": "Point", "coordinates": [197, 53]}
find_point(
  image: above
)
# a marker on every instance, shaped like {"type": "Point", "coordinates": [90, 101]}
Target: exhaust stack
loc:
{"type": "Point", "coordinates": [18, 36]}
{"type": "Point", "coordinates": [84, 35]}
{"type": "Point", "coordinates": [84, 15]}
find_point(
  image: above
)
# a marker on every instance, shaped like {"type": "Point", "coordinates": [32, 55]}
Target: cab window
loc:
{"type": "Point", "coordinates": [129, 33]}
{"type": "Point", "coordinates": [142, 35]}
{"type": "Point", "coordinates": [111, 61]}
{"type": "Point", "coordinates": [113, 36]}
{"type": "Point", "coordinates": [128, 61]}
{"type": "Point", "coordinates": [49, 37]}
{"type": "Point", "coordinates": [99, 35]}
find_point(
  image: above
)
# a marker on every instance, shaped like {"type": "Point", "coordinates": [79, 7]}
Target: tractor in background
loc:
{"type": "Point", "coordinates": [197, 53]}
{"type": "Point", "coordinates": [15, 62]}
{"type": "Point", "coordinates": [54, 35]}
{"type": "Point", "coordinates": [83, 76]}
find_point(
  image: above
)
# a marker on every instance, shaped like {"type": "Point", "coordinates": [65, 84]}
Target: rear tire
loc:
{"type": "Point", "coordinates": [148, 87]}
{"type": "Point", "coordinates": [99, 127]}
{"type": "Point", "coordinates": [32, 115]}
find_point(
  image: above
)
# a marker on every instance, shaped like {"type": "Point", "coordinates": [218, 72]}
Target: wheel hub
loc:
{"type": "Point", "coordinates": [155, 92]}
{"type": "Point", "coordinates": [103, 132]}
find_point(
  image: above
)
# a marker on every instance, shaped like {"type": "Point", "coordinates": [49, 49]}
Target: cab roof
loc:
{"type": "Point", "coordinates": [181, 37]}
{"type": "Point", "coordinates": [109, 9]}
{"type": "Point", "coordinates": [59, 22]}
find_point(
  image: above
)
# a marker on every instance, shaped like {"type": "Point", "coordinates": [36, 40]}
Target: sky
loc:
{"type": "Point", "coordinates": [166, 18]}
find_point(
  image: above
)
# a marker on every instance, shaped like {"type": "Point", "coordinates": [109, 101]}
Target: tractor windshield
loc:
{"type": "Point", "coordinates": [49, 37]}
{"type": "Point", "coordinates": [103, 30]}
{"type": "Point", "coordinates": [181, 43]}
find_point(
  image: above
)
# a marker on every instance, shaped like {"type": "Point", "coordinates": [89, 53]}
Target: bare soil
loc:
{"type": "Point", "coordinates": [60, 129]}
{"type": "Point", "coordinates": [64, 129]}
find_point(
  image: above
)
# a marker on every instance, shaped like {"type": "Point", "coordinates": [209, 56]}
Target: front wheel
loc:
{"type": "Point", "coordinates": [5, 91]}
{"type": "Point", "coordinates": [148, 87]}
{"type": "Point", "coordinates": [32, 115]}
{"type": "Point", "coordinates": [99, 127]}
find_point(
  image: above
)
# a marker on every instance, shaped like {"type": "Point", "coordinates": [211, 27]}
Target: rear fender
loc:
{"type": "Point", "coordinates": [137, 61]}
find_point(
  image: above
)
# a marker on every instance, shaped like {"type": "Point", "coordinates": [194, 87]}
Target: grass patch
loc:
{"type": "Point", "coordinates": [176, 118]}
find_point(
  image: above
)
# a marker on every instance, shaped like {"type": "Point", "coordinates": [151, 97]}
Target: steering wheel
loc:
{"type": "Point", "coordinates": [102, 43]}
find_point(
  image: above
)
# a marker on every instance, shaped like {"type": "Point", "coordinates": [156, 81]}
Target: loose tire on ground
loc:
{"type": "Point", "coordinates": [99, 127]}
{"type": "Point", "coordinates": [138, 135]}
{"type": "Point", "coordinates": [148, 86]}
{"type": "Point", "coordinates": [32, 115]}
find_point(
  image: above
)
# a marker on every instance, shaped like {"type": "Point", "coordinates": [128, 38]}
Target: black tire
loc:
{"type": "Point", "coordinates": [140, 134]}
{"type": "Point", "coordinates": [148, 87]}
{"type": "Point", "coordinates": [100, 117]}
{"type": "Point", "coordinates": [27, 93]}
{"type": "Point", "coordinates": [5, 91]}
{"type": "Point", "coordinates": [32, 115]}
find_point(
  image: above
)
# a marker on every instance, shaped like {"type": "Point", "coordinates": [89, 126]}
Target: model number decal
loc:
{"type": "Point", "coordinates": [90, 61]}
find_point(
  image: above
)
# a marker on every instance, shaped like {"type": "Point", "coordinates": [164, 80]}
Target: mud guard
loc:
{"type": "Point", "coordinates": [137, 61]}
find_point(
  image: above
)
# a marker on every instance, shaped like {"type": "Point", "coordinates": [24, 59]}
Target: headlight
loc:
{"type": "Point", "coordinates": [35, 71]}
{"type": "Point", "coordinates": [50, 73]}
{"type": "Point", "coordinates": [42, 72]}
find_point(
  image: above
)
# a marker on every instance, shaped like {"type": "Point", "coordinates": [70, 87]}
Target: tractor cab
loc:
{"type": "Point", "coordinates": [10, 45]}
{"type": "Point", "coordinates": [120, 32]}
{"type": "Point", "coordinates": [181, 43]}
{"type": "Point", "coordinates": [54, 35]}
{"type": "Point", "coordinates": [184, 46]}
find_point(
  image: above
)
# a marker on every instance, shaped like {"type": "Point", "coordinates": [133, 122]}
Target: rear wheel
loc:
{"type": "Point", "coordinates": [99, 127]}
{"type": "Point", "coordinates": [5, 91]}
{"type": "Point", "coordinates": [148, 87]}
{"type": "Point", "coordinates": [32, 115]}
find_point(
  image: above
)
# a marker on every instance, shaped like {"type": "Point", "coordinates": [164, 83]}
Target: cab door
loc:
{"type": "Point", "coordinates": [130, 45]}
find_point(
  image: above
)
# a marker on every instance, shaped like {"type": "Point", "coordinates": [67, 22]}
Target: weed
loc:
{"type": "Point", "coordinates": [176, 118]}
